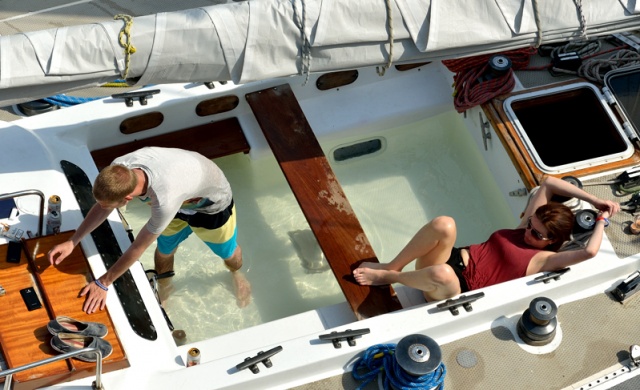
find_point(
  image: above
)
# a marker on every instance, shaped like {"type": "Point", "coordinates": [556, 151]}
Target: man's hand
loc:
{"type": "Point", "coordinates": [60, 252]}
{"type": "Point", "coordinates": [96, 298]}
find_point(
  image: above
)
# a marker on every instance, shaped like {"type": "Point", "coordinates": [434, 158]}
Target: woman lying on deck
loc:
{"type": "Point", "coordinates": [443, 271]}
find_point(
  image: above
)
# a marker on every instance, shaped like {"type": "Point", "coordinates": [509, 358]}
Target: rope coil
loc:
{"type": "Point", "coordinates": [470, 89]}
{"type": "Point", "coordinates": [124, 38]}
{"type": "Point", "coordinates": [380, 360]}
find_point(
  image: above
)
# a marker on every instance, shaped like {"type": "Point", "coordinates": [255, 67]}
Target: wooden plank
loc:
{"type": "Point", "coordinates": [58, 288]}
{"type": "Point", "coordinates": [24, 337]}
{"type": "Point", "coordinates": [212, 140]}
{"type": "Point", "coordinates": [320, 197]}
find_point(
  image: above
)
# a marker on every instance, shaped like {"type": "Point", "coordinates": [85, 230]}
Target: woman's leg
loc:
{"type": "Point", "coordinates": [431, 246]}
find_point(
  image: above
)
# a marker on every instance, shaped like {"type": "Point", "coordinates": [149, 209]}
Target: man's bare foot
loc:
{"type": "Point", "coordinates": [165, 289]}
{"type": "Point", "coordinates": [372, 274]}
{"type": "Point", "coordinates": [242, 289]}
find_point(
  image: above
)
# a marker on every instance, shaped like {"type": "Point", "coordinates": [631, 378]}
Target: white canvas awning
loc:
{"type": "Point", "coordinates": [262, 39]}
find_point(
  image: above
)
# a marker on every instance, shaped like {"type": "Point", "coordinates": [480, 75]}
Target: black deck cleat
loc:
{"type": "Point", "coordinates": [555, 275]}
{"type": "Point", "coordinates": [348, 336]}
{"type": "Point", "coordinates": [464, 301]}
{"type": "Point", "coordinates": [142, 96]}
{"type": "Point", "coordinates": [262, 357]}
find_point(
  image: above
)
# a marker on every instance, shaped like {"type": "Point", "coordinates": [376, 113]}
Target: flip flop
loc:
{"type": "Point", "coordinates": [70, 342]}
{"type": "Point", "coordinates": [64, 324]}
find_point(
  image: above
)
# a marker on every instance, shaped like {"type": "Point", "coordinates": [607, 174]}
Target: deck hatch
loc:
{"type": "Point", "coordinates": [568, 128]}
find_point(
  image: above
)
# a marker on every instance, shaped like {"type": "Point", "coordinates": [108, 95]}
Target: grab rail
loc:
{"type": "Point", "coordinates": [29, 192]}
{"type": "Point", "coordinates": [97, 384]}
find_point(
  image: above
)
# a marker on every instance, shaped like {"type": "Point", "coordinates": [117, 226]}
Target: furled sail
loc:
{"type": "Point", "coordinates": [261, 39]}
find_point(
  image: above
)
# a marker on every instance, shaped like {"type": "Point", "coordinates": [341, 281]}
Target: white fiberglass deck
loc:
{"type": "Point", "coordinates": [427, 169]}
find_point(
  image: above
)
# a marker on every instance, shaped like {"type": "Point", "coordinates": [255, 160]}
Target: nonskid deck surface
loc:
{"type": "Point", "coordinates": [596, 336]}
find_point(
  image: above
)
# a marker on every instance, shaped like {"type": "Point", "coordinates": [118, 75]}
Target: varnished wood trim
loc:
{"type": "Point", "coordinates": [404, 67]}
{"type": "Point", "coordinates": [140, 123]}
{"type": "Point", "coordinates": [336, 79]}
{"type": "Point", "coordinates": [217, 105]}
{"type": "Point", "coordinates": [212, 140]}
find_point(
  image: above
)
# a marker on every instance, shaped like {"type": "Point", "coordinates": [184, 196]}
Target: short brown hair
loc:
{"type": "Point", "coordinates": [559, 221]}
{"type": "Point", "coordinates": [114, 183]}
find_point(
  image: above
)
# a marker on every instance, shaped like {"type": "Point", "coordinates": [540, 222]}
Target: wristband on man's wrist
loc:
{"type": "Point", "coordinates": [102, 286]}
{"type": "Point", "coordinates": [606, 220]}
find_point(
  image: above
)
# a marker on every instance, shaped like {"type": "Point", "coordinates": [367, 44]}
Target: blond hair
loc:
{"type": "Point", "coordinates": [114, 183]}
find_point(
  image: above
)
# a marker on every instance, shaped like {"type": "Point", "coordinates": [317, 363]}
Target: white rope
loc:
{"type": "Point", "coordinates": [381, 70]}
{"type": "Point", "coordinates": [583, 20]}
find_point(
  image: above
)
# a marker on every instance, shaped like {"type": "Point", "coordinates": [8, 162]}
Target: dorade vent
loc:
{"type": "Point", "coordinates": [359, 149]}
{"type": "Point", "coordinates": [140, 123]}
{"type": "Point", "coordinates": [336, 79]}
{"type": "Point", "coordinates": [217, 105]}
{"type": "Point", "coordinates": [403, 67]}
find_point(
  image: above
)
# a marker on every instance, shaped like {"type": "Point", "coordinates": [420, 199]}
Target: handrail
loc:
{"type": "Point", "coordinates": [97, 384]}
{"type": "Point", "coordinates": [29, 192]}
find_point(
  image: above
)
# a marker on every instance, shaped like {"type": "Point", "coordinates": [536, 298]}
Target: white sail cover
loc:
{"type": "Point", "coordinates": [261, 39]}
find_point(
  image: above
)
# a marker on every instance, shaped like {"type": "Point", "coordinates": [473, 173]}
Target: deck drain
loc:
{"type": "Point", "coordinates": [467, 358]}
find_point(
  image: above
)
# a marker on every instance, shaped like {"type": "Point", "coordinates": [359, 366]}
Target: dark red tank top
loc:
{"type": "Point", "coordinates": [504, 256]}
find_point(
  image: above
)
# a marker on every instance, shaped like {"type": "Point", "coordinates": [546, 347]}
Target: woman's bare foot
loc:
{"type": "Point", "coordinates": [242, 289]}
{"type": "Point", "coordinates": [372, 274]}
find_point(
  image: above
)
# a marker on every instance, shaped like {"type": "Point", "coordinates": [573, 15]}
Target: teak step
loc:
{"type": "Point", "coordinates": [24, 337]}
{"type": "Point", "coordinates": [212, 140]}
{"type": "Point", "coordinates": [320, 197]}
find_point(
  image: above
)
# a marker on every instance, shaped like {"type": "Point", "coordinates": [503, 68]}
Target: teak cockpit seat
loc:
{"type": "Point", "coordinates": [24, 337]}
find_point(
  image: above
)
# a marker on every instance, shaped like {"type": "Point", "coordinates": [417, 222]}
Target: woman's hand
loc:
{"type": "Point", "coordinates": [607, 206]}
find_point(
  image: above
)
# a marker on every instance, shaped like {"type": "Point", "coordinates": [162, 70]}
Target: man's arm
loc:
{"type": "Point", "coordinates": [94, 218]}
{"type": "Point", "coordinates": [96, 294]}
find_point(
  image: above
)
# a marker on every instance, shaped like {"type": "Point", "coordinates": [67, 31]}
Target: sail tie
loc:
{"type": "Point", "coordinates": [381, 70]}
{"type": "Point", "coordinates": [124, 38]}
{"type": "Point", "coordinates": [306, 45]}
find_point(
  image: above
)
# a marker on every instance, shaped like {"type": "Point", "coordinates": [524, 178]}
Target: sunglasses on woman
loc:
{"type": "Point", "coordinates": [536, 234]}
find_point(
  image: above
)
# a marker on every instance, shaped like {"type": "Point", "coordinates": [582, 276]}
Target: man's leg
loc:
{"type": "Point", "coordinates": [222, 241]}
{"type": "Point", "coordinates": [168, 243]}
{"type": "Point", "coordinates": [241, 285]}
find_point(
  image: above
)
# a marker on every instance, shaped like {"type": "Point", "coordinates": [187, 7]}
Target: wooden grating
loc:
{"type": "Point", "coordinates": [320, 197]}
{"type": "Point", "coordinates": [212, 140]}
{"type": "Point", "coordinates": [24, 337]}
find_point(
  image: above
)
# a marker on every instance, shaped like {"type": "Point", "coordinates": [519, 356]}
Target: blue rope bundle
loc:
{"type": "Point", "coordinates": [67, 101]}
{"type": "Point", "coordinates": [380, 358]}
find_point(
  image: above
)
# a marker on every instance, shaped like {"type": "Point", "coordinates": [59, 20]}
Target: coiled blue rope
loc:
{"type": "Point", "coordinates": [68, 101]}
{"type": "Point", "coordinates": [380, 358]}
{"type": "Point", "coordinates": [63, 100]}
